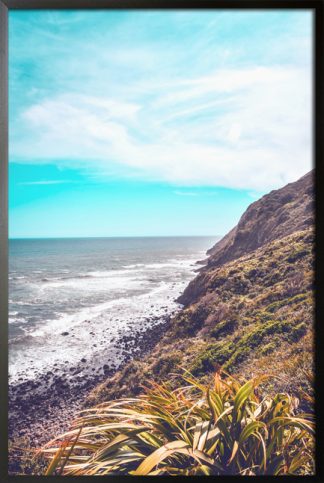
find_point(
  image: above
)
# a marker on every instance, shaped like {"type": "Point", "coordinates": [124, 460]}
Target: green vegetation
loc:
{"type": "Point", "coordinates": [229, 355]}
{"type": "Point", "coordinates": [286, 301]}
{"type": "Point", "coordinates": [256, 311]}
{"type": "Point", "coordinates": [224, 328]}
{"type": "Point", "coordinates": [214, 355]}
{"type": "Point", "coordinates": [219, 429]}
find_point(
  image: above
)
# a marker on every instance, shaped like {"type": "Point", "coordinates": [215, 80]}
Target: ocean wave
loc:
{"type": "Point", "coordinates": [110, 308]}
{"type": "Point", "coordinates": [17, 320]}
{"type": "Point", "coordinates": [69, 277]}
{"type": "Point", "coordinates": [134, 265]}
{"type": "Point", "coordinates": [81, 275]}
{"type": "Point", "coordinates": [97, 284]}
{"type": "Point", "coordinates": [111, 273]}
{"type": "Point", "coordinates": [127, 272]}
{"type": "Point", "coordinates": [23, 302]}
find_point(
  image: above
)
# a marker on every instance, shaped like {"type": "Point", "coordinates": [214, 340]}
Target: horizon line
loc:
{"type": "Point", "coordinates": [112, 236]}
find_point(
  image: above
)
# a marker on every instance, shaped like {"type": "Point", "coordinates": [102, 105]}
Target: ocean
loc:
{"type": "Point", "coordinates": [73, 299]}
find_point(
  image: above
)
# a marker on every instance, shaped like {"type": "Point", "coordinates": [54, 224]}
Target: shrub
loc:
{"type": "Point", "coordinates": [218, 314]}
{"type": "Point", "coordinates": [268, 348]}
{"type": "Point", "coordinates": [253, 340]}
{"type": "Point", "coordinates": [213, 356]}
{"type": "Point", "coordinates": [192, 430]}
{"type": "Point", "coordinates": [296, 255]}
{"type": "Point", "coordinates": [166, 363]}
{"type": "Point", "coordinates": [190, 321]}
{"type": "Point", "coordinates": [286, 301]}
{"type": "Point", "coordinates": [224, 328]}
{"type": "Point", "coordinates": [298, 331]}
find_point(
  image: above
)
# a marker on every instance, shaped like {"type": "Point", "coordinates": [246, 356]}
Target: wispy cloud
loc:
{"type": "Point", "coordinates": [262, 138]}
{"type": "Point", "coordinates": [240, 120]}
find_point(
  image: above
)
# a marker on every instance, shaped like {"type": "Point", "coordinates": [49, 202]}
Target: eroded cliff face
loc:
{"type": "Point", "coordinates": [276, 215]}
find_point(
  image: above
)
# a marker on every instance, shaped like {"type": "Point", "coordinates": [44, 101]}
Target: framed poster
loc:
{"type": "Point", "coordinates": [159, 300]}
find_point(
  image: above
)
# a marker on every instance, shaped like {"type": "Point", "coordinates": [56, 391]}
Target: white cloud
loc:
{"type": "Point", "coordinates": [239, 128]}
{"type": "Point", "coordinates": [234, 133]}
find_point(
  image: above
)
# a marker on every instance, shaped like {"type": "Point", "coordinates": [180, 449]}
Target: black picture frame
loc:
{"type": "Point", "coordinates": [318, 142]}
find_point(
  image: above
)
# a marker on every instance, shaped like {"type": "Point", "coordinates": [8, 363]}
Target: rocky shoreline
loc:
{"type": "Point", "coordinates": [41, 409]}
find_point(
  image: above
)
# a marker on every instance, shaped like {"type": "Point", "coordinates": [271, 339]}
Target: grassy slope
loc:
{"type": "Point", "coordinates": [255, 316]}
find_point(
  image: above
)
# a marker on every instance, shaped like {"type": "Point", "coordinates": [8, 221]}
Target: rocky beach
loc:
{"type": "Point", "coordinates": [45, 405]}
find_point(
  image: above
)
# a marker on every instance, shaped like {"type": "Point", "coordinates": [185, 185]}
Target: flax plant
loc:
{"type": "Point", "coordinates": [224, 428]}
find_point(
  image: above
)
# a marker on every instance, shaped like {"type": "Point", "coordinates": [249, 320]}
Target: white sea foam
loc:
{"type": "Point", "coordinates": [104, 283]}
{"type": "Point", "coordinates": [135, 265]}
{"type": "Point", "coordinates": [106, 320]}
{"type": "Point", "coordinates": [23, 302]}
{"type": "Point", "coordinates": [95, 307]}
{"type": "Point", "coordinates": [76, 319]}
{"type": "Point", "coordinates": [135, 277]}
{"type": "Point", "coordinates": [16, 320]}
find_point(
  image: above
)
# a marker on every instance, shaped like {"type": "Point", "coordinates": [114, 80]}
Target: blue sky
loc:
{"type": "Point", "coordinates": [139, 123]}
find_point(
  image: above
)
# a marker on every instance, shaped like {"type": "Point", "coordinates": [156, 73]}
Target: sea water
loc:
{"type": "Point", "coordinates": [73, 299]}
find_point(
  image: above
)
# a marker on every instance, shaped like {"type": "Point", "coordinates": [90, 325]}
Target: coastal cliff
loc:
{"type": "Point", "coordinates": [250, 309]}
{"type": "Point", "coordinates": [276, 215]}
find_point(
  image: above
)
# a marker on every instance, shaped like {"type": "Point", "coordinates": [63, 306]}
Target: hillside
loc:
{"type": "Point", "coordinates": [250, 309]}
{"type": "Point", "coordinates": [274, 216]}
